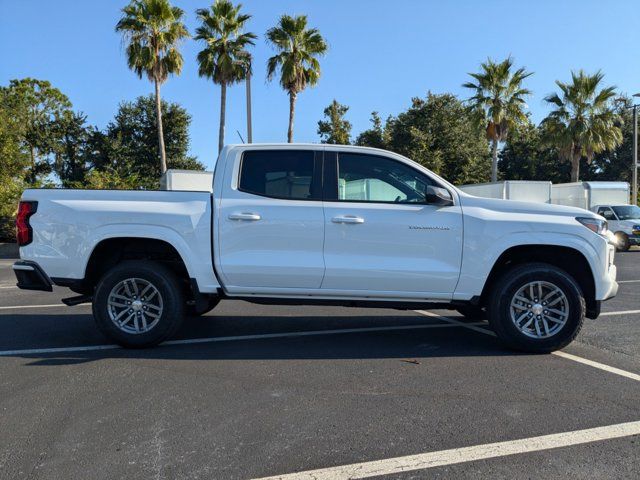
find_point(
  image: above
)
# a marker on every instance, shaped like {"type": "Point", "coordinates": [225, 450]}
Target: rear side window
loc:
{"type": "Point", "coordinates": [286, 174]}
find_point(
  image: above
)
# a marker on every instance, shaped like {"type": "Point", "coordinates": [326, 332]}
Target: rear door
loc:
{"type": "Point", "coordinates": [271, 222]}
{"type": "Point", "coordinates": [380, 233]}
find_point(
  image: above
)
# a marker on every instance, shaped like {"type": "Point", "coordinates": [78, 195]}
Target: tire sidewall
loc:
{"type": "Point", "coordinates": [625, 245]}
{"type": "Point", "coordinates": [173, 303]}
{"type": "Point", "coordinates": [500, 316]}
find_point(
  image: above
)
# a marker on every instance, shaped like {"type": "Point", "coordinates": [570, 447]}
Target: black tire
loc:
{"type": "Point", "coordinates": [622, 242]}
{"type": "Point", "coordinates": [472, 312]}
{"type": "Point", "coordinates": [168, 290]}
{"type": "Point", "coordinates": [192, 311]}
{"type": "Point", "coordinates": [499, 307]}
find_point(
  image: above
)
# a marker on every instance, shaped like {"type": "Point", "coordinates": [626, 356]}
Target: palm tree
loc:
{"type": "Point", "coordinates": [298, 48]}
{"type": "Point", "coordinates": [498, 102]}
{"type": "Point", "coordinates": [152, 30]}
{"type": "Point", "coordinates": [224, 58]}
{"type": "Point", "coordinates": [583, 122]}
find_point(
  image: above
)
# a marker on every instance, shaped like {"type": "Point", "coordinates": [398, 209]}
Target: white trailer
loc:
{"type": "Point", "coordinates": [589, 194]}
{"type": "Point", "coordinates": [523, 190]}
{"type": "Point", "coordinates": [187, 180]}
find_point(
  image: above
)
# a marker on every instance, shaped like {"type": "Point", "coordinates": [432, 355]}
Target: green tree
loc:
{"type": "Point", "coordinates": [126, 147]}
{"type": "Point", "coordinates": [224, 58]}
{"type": "Point", "coordinates": [33, 106]}
{"type": "Point", "coordinates": [374, 136]}
{"type": "Point", "coordinates": [71, 147]}
{"type": "Point", "coordinates": [526, 156]}
{"type": "Point", "coordinates": [335, 129]}
{"type": "Point", "coordinates": [615, 164]}
{"type": "Point", "coordinates": [298, 50]}
{"type": "Point", "coordinates": [152, 30]}
{"type": "Point", "coordinates": [108, 179]}
{"type": "Point", "coordinates": [498, 102]}
{"type": "Point", "coordinates": [583, 122]}
{"type": "Point", "coordinates": [440, 133]}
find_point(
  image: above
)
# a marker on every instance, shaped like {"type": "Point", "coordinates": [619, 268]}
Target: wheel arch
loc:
{"type": "Point", "coordinates": [568, 259]}
{"type": "Point", "coordinates": [110, 251]}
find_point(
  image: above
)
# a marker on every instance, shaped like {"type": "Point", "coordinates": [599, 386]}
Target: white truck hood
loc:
{"type": "Point", "coordinates": [512, 206]}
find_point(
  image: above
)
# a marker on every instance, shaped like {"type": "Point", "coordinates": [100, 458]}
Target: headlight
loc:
{"type": "Point", "coordinates": [594, 224]}
{"type": "Point", "coordinates": [636, 229]}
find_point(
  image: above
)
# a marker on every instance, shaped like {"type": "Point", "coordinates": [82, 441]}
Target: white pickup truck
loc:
{"type": "Point", "coordinates": [624, 223]}
{"type": "Point", "coordinates": [317, 224]}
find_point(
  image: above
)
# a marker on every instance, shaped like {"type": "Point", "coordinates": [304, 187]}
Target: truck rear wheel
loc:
{"type": "Point", "coordinates": [138, 304]}
{"type": "Point", "coordinates": [536, 307]}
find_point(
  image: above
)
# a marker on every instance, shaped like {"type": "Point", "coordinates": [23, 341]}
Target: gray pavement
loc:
{"type": "Point", "coordinates": [252, 407]}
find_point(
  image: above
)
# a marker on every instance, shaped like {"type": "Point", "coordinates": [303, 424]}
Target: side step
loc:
{"type": "Point", "coordinates": [72, 301]}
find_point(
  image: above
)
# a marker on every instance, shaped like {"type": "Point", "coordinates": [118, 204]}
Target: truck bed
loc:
{"type": "Point", "coordinates": [69, 224]}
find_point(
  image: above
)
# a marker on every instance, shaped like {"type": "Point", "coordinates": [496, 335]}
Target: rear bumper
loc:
{"type": "Point", "coordinates": [31, 277]}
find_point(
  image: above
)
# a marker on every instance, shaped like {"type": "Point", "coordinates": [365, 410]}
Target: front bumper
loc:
{"type": "Point", "coordinates": [605, 278]}
{"type": "Point", "coordinates": [31, 277]}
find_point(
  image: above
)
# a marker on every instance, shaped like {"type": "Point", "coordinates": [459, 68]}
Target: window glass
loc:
{"type": "Point", "coordinates": [278, 173]}
{"type": "Point", "coordinates": [627, 212]}
{"type": "Point", "coordinates": [368, 178]}
{"type": "Point", "coordinates": [606, 213]}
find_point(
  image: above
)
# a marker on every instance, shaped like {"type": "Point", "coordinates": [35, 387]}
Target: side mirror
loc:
{"type": "Point", "coordinates": [438, 196]}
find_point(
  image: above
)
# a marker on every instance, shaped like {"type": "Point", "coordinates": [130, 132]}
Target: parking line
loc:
{"type": "Point", "coordinates": [19, 307]}
{"type": "Point", "coordinates": [628, 281]}
{"type": "Point", "coordinates": [623, 312]}
{"type": "Point", "coordinates": [601, 366]}
{"type": "Point", "coordinates": [568, 356]}
{"type": "Point", "coordinates": [191, 341]}
{"type": "Point", "coordinates": [454, 456]}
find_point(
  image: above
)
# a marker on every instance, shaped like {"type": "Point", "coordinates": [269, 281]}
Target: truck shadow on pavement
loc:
{"type": "Point", "coordinates": [413, 344]}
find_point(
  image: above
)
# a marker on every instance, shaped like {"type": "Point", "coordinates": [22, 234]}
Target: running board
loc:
{"type": "Point", "coordinates": [72, 301]}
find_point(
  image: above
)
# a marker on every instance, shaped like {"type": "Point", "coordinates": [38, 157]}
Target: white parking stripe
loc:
{"type": "Point", "coordinates": [453, 321]}
{"type": "Point", "coordinates": [190, 341]}
{"type": "Point", "coordinates": [568, 356]}
{"type": "Point", "coordinates": [454, 456]}
{"type": "Point", "coordinates": [628, 281]}
{"type": "Point", "coordinates": [20, 307]}
{"type": "Point", "coordinates": [601, 366]}
{"type": "Point", "coordinates": [623, 312]}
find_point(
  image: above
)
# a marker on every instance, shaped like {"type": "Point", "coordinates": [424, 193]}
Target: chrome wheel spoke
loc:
{"type": "Point", "coordinates": [522, 317]}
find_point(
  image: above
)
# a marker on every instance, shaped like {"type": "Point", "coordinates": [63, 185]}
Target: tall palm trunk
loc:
{"type": "Point", "coordinates": [223, 113]}
{"type": "Point", "coordinates": [292, 111]}
{"type": "Point", "coordinates": [575, 169]}
{"type": "Point", "coordinates": [494, 160]}
{"type": "Point", "coordinates": [163, 155]}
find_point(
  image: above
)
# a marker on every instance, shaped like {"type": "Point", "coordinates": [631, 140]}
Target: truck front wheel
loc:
{"type": "Point", "coordinates": [622, 242]}
{"type": "Point", "coordinates": [536, 307]}
{"type": "Point", "coordinates": [138, 304]}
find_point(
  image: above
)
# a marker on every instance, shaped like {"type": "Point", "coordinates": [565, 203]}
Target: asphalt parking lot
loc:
{"type": "Point", "coordinates": [254, 391]}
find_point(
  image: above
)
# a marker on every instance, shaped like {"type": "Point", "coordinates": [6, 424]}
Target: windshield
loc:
{"type": "Point", "coordinates": [627, 212]}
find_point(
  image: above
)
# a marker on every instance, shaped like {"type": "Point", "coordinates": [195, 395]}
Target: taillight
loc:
{"type": "Point", "coordinates": [24, 232]}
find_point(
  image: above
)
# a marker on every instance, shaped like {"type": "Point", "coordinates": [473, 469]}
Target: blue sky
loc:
{"type": "Point", "coordinates": [381, 55]}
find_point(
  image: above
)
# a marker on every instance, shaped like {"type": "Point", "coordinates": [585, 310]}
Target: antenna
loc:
{"type": "Point", "coordinates": [242, 139]}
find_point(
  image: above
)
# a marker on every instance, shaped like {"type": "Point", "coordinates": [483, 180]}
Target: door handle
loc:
{"type": "Point", "coordinates": [347, 219]}
{"type": "Point", "coordinates": [244, 216]}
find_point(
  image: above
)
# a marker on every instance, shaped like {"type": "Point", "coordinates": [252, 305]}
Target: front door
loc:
{"type": "Point", "coordinates": [271, 222]}
{"type": "Point", "coordinates": [381, 235]}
